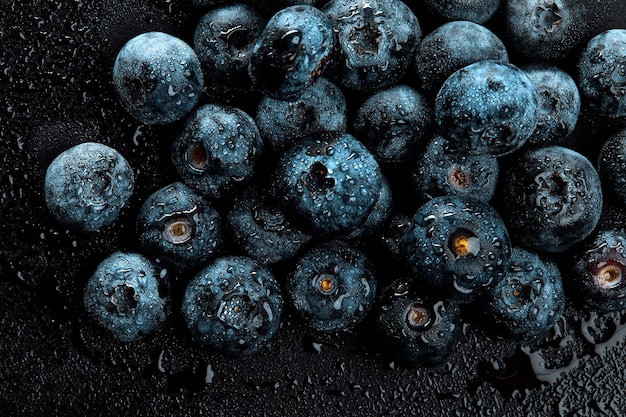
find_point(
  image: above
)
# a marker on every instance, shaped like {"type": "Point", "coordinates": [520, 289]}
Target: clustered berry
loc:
{"type": "Point", "coordinates": [369, 184]}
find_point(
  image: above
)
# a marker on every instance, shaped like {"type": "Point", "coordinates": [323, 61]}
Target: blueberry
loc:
{"type": "Point", "coordinates": [259, 227]}
{"type": "Point", "coordinates": [218, 150]}
{"type": "Point", "coordinates": [417, 328]}
{"type": "Point", "coordinates": [292, 52]}
{"type": "Point", "coordinates": [558, 106]}
{"type": "Point", "coordinates": [487, 108]}
{"type": "Point", "coordinates": [158, 78]}
{"type": "Point", "coordinates": [376, 42]}
{"type": "Point", "coordinates": [545, 30]}
{"type": "Point", "coordinates": [332, 287]}
{"type": "Point", "coordinates": [442, 171]}
{"type": "Point", "coordinates": [453, 46]}
{"type": "Point", "coordinates": [612, 167]}
{"type": "Point", "coordinates": [470, 10]}
{"type": "Point", "coordinates": [553, 198]}
{"type": "Point", "coordinates": [528, 302]}
{"type": "Point", "coordinates": [599, 273]}
{"type": "Point", "coordinates": [88, 185]}
{"type": "Point", "coordinates": [179, 226]}
{"type": "Point", "coordinates": [321, 107]}
{"type": "Point", "coordinates": [394, 123]}
{"type": "Point", "coordinates": [233, 306]}
{"type": "Point", "coordinates": [602, 73]}
{"type": "Point", "coordinates": [331, 184]}
{"type": "Point", "coordinates": [223, 41]}
{"type": "Point", "coordinates": [128, 296]}
{"type": "Point", "coordinates": [458, 246]}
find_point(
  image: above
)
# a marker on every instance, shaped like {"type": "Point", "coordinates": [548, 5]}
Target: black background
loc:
{"type": "Point", "coordinates": [55, 91]}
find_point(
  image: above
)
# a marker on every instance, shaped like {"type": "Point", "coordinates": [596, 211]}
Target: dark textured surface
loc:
{"type": "Point", "coordinates": [56, 91]}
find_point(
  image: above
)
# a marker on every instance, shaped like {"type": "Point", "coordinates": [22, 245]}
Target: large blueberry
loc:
{"type": "Point", "coordinates": [487, 108]}
{"type": "Point", "coordinates": [218, 150]}
{"type": "Point", "coordinates": [332, 287]}
{"type": "Point", "coordinates": [233, 306]}
{"type": "Point", "coordinates": [376, 42]}
{"type": "Point", "coordinates": [158, 78]}
{"type": "Point", "coordinates": [612, 167]}
{"type": "Point", "coordinates": [128, 296]}
{"type": "Point", "coordinates": [88, 185]}
{"type": "Point", "coordinates": [553, 198]}
{"type": "Point", "coordinates": [458, 245]}
{"type": "Point", "coordinates": [602, 73]}
{"type": "Point", "coordinates": [453, 46]}
{"type": "Point", "coordinates": [179, 226]}
{"type": "Point", "coordinates": [291, 52]}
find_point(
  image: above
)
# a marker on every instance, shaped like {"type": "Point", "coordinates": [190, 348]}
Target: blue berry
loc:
{"type": "Point", "coordinates": [602, 73]}
{"type": "Point", "coordinates": [292, 52]}
{"type": "Point", "coordinates": [223, 41]}
{"type": "Point", "coordinates": [128, 296]}
{"type": "Point", "coordinates": [394, 123]}
{"type": "Point", "coordinates": [321, 107]}
{"type": "Point", "coordinates": [233, 306]}
{"type": "Point", "coordinates": [487, 108]}
{"type": "Point", "coordinates": [330, 183]}
{"type": "Point", "coordinates": [558, 106]}
{"type": "Point", "coordinates": [471, 10]}
{"type": "Point", "coordinates": [458, 246]}
{"type": "Point", "coordinates": [332, 287]}
{"type": "Point", "coordinates": [158, 78]}
{"type": "Point", "coordinates": [376, 42]}
{"type": "Point", "coordinates": [528, 301]}
{"type": "Point", "coordinates": [88, 185]}
{"type": "Point", "coordinates": [553, 198]}
{"type": "Point", "coordinates": [260, 228]}
{"type": "Point", "coordinates": [612, 167]}
{"type": "Point", "coordinates": [218, 150]}
{"type": "Point", "coordinates": [416, 328]}
{"type": "Point", "coordinates": [442, 171]}
{"type": "Point", "coordinates": [599, 273]}
{"type": "Point", "coordinates": [545, 30]}
{"type": "Point", "coordinates": [453, 46]}
{"type": "Point", "coordinates": [179, 226]}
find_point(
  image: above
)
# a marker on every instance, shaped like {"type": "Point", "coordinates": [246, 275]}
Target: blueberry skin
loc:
{"type": "Point", "coordinates": [598, 275]}
{"type": "Point", "coordinates": [612, 167]}
{"type": "Point", "coordinates": [545, 30]}
{"type": "Point", "coordinates": [442, 171]}
{"type": "Point", "coordinates": [218, 150]}
{"type": "Point", "coordinates": [259, 227]}
{"type": "Point", "coordinates": [128, 296]}
{"type": "Point", "coordinates": [158, 78]}
{"type": "Point", "coordinates": [321, 107]}
{"type": "Point", "coordinates": [376, 42]}
{"type": "Point", "coordinates": [394, 123]}
{"type": "Point", "coordinates": [470, 10]}
{"type": "Point", "coordinates": [88, 185]}
{"type": "Point", "coordinates": [233, 306]}
{"type": "Point", "coordinates": [558, 106]}
{"type": "Point", "coordinates": [487, 108]}
{"type": "Point", "coordinates": [528, 301]}
{"type": "Point", "coordinates": [459, 246]}
{"type": "Point", "coordinates": [329, 183]}
{"type": "Point", "coordinates": [553, 196]}
{"type": "Point", "coordinates": [602, 73]}
{"type": "Point", "coordinates": [416, 328]}
{"type": "Point", "coordinates": [451, 47]}
{"type": "Point", "coordinates": [292, 52]}
{"type": "Point", "coordinates": [223, 41]}
{"type": "Point", "coordinates": [179, 226]}
{"type": "Point", "coordinates": [332, 287]}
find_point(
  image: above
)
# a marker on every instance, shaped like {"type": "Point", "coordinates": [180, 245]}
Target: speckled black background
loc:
{"type": "Point", "coordinates": [55, 91]}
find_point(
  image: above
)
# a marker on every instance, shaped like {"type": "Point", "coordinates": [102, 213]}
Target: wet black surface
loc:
{"type": "Point", "coordinates": [56, 91]}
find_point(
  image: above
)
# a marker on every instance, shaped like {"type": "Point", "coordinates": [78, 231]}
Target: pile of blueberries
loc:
{"type": "Point", "coordinates": [304, 180]}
